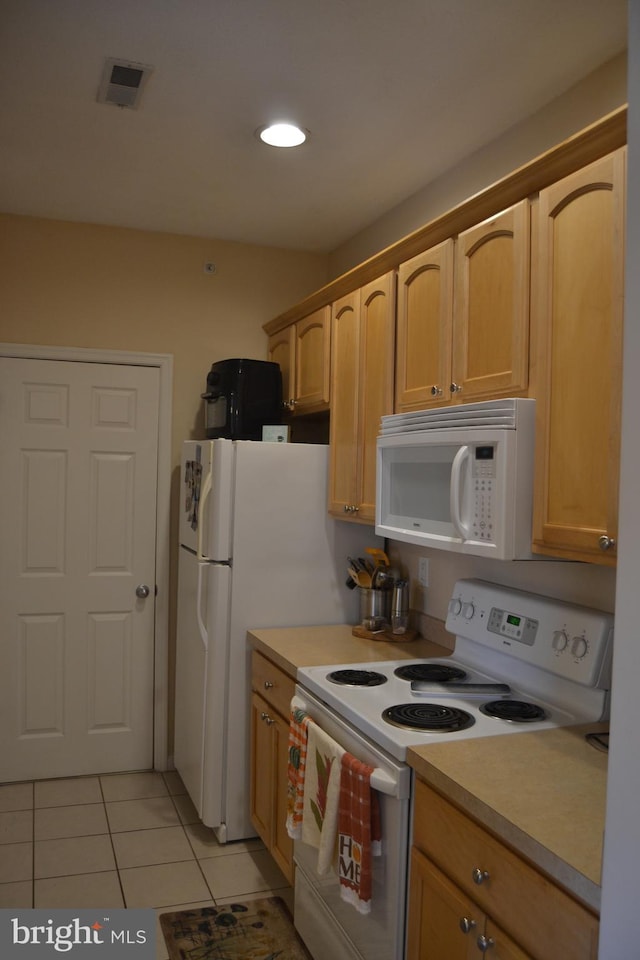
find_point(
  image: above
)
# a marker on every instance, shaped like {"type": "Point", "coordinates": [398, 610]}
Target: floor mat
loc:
{"type": "Point", "coordinates": [254, 930]}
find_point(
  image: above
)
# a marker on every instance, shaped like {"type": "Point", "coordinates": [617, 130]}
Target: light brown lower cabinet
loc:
{"type": "Point", "coordinates": [444, 923]}
{"type": "Point", "coordinates": [269, 756]}
{"type": "Point", "coordinates": [470, 894]}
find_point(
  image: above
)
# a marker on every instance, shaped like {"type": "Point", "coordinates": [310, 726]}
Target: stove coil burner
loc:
{"type": "Point", "coordinates": [514, 711]}
{"type": "Point", "coordinates": [428, 717]}
{"type": "Point", "coordinates": [357, 678]}
{"type": "Point", "coordinates": [434, 672]}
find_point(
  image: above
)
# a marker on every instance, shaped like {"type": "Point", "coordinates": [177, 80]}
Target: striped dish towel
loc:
{"type": "Point", "coordinates": [298, 734]}
{"type": "Point", "coordinates": [359, 835]}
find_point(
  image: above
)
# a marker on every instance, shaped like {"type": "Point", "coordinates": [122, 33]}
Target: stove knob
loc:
{"type": "Point", "coordinates": [579, 647]}
{"type": "Point", "coordinates": [455, 606]}
{"type": "Point", "coordinates": [560, 640]}
{"type": "Point", "coordinates": [468, 611]}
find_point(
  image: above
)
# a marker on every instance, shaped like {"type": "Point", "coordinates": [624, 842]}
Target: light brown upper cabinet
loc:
{"type": "Point", "coordinates": [424, 326]}
{"type": "Point", "coordinates": [362, 339]}
{"type": "Point", "coordinates": [490, 355]}
{"type": "Point", "coordinates": [579, 312]}
{"type": "Point", "coordinates": [463, 316]}
{"type": "Point", "coordinates": [303, 351]}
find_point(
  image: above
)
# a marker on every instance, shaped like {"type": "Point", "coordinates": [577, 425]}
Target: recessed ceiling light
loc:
{"type": "Point", "coordinates": [282, 135]}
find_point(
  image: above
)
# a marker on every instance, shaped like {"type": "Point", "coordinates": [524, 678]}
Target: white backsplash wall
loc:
{"type": "Point", "coordinates": [584, 583]}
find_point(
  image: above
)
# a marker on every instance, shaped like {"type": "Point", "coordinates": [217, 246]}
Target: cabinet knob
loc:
{"type": "Point", "coordinates": [607, 543]}
{"type": "Point", "coordinates": [467, 924]}
{"type": "Point", "coordinates": [436, 391]}
{"type": "Point", "coordinates": [267, 719]}
{"type": "Point", "coordinates": [485, 943]}
{"type": "Point", "coordinates": [455, 388]}
{"type": "Point", "coordinates": [350, 508]}
{"type": "Point", "coordinates": [479, 876]}
{"type": "Point", "coordinates": [268, 685]}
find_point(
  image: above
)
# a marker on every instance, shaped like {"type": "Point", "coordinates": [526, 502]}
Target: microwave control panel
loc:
{"type": "Point", "coordinates": [483, 478]}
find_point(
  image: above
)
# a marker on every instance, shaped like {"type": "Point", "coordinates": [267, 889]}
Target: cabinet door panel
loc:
{"type": "Point", "coordinates": [423, 347]}
{"type": "Point", "coordinates": [281, 350]}
{"type": "Point", "coordinates": [491, 314]}
{"type": "Point", "coordinates": [580, 295]}
{"type": "Point", "coordinates": [376, 384]}
{"type": "Point", "coordinates": [282, 847]}
{"type": "Point", "coordinates": [345, 352]}
{"type": "Point", "coordinates": [502, 946]}
{"type": "Point", "coordinates": [437, 908]}
{"type": "Point", "coordinates": [313, 361]}
{"type": "Point", "coordinates": [261, 770]}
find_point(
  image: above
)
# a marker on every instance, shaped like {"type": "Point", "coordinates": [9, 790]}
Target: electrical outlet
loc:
{"type": "Point", "coordinates": [423, 572]}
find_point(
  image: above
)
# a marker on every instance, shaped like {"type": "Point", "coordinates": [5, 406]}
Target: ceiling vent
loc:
{"type": "Point", "coordinates": [122, 82]}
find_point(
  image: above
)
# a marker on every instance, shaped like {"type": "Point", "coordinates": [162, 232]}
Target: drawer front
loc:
{"type": "Point", "coordinates": [272, 683]}
{"type": "Point", "coordinates": [541, 917]}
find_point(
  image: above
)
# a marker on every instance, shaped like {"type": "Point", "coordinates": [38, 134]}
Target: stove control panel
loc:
{"type": "Point", "coordinates": [566, 639]}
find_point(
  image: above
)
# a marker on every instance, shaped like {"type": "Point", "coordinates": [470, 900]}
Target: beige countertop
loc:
{"type": "Point", "coordinates": [541, 793]}
{"type": "Point", "coordinates": [293, 647]}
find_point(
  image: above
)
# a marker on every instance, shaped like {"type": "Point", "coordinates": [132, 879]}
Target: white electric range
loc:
{"type": "Point", "coordinates": [521, 663]}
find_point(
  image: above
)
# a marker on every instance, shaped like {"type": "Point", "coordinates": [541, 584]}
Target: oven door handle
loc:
{"type": "Point", "coordinates": [383, 783]}
{"type": "Point", "coordinates": [380, 780]}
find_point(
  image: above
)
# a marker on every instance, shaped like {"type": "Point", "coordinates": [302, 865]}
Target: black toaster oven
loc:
{"type": "Point", "coordinates": [241, 397]}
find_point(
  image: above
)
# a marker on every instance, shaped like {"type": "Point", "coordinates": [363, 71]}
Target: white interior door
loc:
{"type": "Point", "coordinates": [78, 480]}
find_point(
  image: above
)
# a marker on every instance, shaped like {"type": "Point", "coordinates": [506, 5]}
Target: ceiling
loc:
{"type": "Point", "coordinates": [392, 93]}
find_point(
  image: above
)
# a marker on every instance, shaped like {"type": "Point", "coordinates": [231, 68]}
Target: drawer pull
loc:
{"type": "Point", "coordinates": [479, 876]}
{"type": "Point", "coordinates": [467, 924]}
{"type": "Point", "coordinates": [268, 685]}
{"type": "Point", "coordinates": [485, 943]}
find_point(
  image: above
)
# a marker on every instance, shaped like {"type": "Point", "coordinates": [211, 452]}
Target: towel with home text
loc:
{"type": "Point", "coordinates": [359, 835]}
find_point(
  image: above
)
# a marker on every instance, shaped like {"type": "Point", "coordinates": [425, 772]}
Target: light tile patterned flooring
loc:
{"type": "Point", "coordinates": [122, 840]}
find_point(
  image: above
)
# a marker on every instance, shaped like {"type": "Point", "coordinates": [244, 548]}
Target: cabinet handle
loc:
{"type": "Point", "coordinates": [607, 543]}
{"type": "Point", "coordinates": [268, 685]}
{"type": "Point", "coordinates": [479, 876]}
{"type": "Point", "coordinates": [267, 719]}
{"type": "Point", "coordinates": [467, 924]}
{"type": "Point", "coordinates": [350, 508]}
{"type": "Point", "coordinates": [436, 391]}
{"type": "Point", "coordinates": [455, 388]}
{"type": "Point", "coordinates": [485, 943]}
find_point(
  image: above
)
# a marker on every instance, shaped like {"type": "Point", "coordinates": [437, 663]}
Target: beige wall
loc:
{"type": "Point", "coordinates": [596, 95]}
{"type": "Point", "coordinates": [80, 285]}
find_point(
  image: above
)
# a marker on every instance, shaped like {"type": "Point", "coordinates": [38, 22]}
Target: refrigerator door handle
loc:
{"type": "Point", "coordinates": [204, 496]}
{"type": "Point", "coordinates": [201, 626]}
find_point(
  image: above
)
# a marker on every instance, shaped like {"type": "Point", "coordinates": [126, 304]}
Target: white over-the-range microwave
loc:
{"type": "Point", "coordinates": [459, 478]}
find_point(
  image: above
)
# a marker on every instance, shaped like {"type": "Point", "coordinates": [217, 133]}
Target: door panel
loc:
{"type": "Point", "coordinates": [78, 510]}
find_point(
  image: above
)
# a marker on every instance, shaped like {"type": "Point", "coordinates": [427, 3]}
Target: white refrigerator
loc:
{"type": "Point", "coordinates": [257, 549]}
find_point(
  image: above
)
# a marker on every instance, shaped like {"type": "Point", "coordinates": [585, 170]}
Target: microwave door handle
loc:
{"type": "Point", "coordinates": [455, 492]}
{"type": "Point", "coordinates": [204, 496]}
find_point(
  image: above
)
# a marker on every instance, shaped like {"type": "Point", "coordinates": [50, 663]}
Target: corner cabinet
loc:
{"type": "Point", "coordinates": [270, 699]}
{"type": "Point", "coordinates": [362, 357]}
{"type": "Point", "coordinates": [463, 316]}
{"type": "Point", "coordinates": [579, 286]}
{"type": "Point", "coordinates": [303, 351]}
{"type": "Point", "coordinates": [469, 895]}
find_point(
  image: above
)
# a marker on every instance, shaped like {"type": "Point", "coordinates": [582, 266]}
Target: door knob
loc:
{"type": "Point", "coordinates": [142, 591]}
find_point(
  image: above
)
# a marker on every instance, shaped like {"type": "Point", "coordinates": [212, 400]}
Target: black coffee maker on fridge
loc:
{"type": "Point", "coordinates": [241, 397]}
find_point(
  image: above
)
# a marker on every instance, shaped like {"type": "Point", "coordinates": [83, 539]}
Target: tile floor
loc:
{"type": "Point", "coordinates": [122, 840]}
